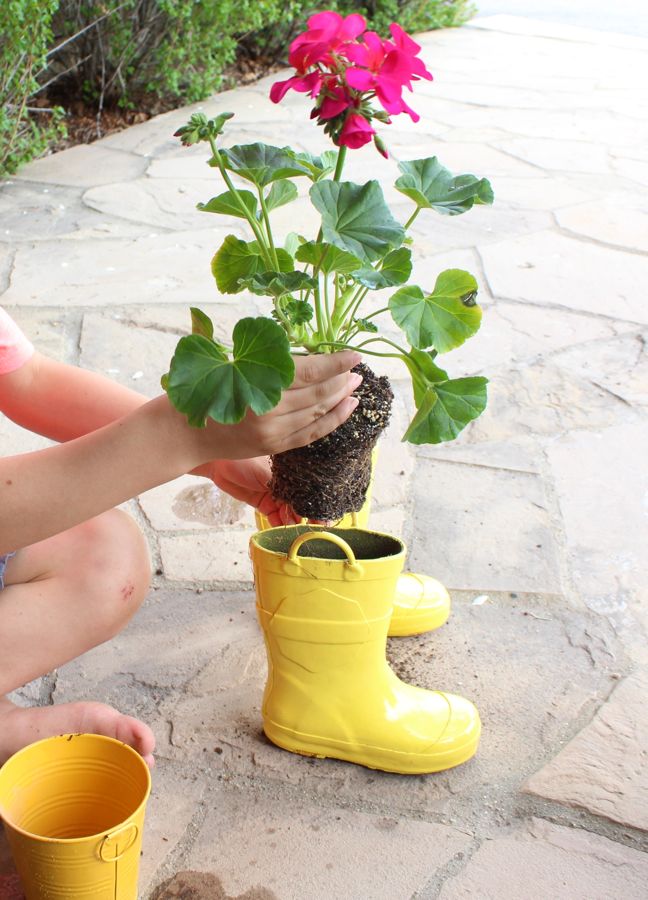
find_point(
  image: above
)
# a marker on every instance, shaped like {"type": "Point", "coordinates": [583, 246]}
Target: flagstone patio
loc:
{"type": "Point", "coordinates": [535, 518]}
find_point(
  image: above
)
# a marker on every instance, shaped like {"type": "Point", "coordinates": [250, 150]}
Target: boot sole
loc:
{"type": "Point", "coordinates": [380, 758]}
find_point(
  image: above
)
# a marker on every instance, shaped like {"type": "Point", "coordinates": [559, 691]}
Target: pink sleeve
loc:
{"type": "Point", "coordinates": [15, 349]}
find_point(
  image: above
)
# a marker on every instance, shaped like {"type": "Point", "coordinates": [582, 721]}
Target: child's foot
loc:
{"type": "Point", "coordinates": [21, 726]}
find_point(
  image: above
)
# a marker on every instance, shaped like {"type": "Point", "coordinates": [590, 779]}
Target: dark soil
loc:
{"type": "Point", "coordinates": [330, 477]}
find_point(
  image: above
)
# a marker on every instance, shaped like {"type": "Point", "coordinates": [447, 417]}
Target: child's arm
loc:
{"type": "Point", "coordinates": [63, 402]}
{"type": "Point", "coordinates": [46, 492]}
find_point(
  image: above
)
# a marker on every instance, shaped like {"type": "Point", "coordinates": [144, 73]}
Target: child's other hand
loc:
{"type": "Point", "coordinates": [247, 480]}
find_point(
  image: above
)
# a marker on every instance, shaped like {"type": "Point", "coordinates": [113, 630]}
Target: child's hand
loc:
{"type": "Point", "coordinates": [247, 480]}
{"type": "Point", "coordinates": [318, 400]}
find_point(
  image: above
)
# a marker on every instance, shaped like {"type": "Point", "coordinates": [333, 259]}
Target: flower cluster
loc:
{"type": "Point", "coordinates": [344, 67]}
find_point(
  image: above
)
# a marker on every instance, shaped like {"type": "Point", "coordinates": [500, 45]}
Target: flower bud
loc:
{"type": "Point", "coordinates": [380, 146]}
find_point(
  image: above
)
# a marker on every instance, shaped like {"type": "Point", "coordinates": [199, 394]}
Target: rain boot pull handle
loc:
{"type": "Point", "coordinates": [322, 536]}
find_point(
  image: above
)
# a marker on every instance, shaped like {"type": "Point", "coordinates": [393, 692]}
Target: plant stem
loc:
{"type": "Point", "coordinates": [412, 217]}
{"type": "Point", "coordinates": [382, 340]}
{"type": "Point", "coordinates": [282, 317]}
{"type": "Point", "coordinates": [327, 309]}
{"type": "Point", "coordinates": [268, 228]}
{"type": "Point", "coordinates": [358, 299]}
{"type": "Point", "coordinates": [254, 225]}
{"type": "Point", "coordinates": [377, 312]}
{"type": "Point", "coordinates": [340, 163]}
{"type": "Point", "coordinates": [318, 308]}
{"type": "Point", "coordinates": [343, 345]}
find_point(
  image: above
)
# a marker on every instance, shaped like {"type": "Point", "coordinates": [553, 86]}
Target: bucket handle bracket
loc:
{"type": "Point", "coordinates": [131, 829]}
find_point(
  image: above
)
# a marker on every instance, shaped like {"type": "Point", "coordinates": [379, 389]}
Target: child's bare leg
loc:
{"type": "Point", "coordinates": [63, 596]}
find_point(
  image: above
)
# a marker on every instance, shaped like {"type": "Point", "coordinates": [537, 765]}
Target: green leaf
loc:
{"type": "Point", "coordinates": [201, 323]}
{"type": "Point", "coordinates": [227, 205]}
{"type": "Point", "coordinates": [396, 269]}
{"type": "Point", "coordinates": [431, 186]}
{"type": "Point", "coordinates": [445, 409]}
{"type": "Point", "coordinates": [327, 258]}
{"type": "Point", "coordinates": [443, 319]}
{"type": "Point", "coordinates": [261, 163]}
{"type": "Point", "coordinates": [280, 193]}
{"type": "Point", "coordinates": [234, 260]}
{"type": "Point", "coordinates": [424, 372]}
{"type": "Point", "coordinates": [237, 259]}
{"type": "Point", "coordinates": [292, 243]}
{"type": "Point", "coordinates": [318, 166]}
{"type": "Point", "coordinates": [298, 311]}
{"type": "Point", "coordinates": [203, 382]}
{"type": "Point", "coordinates": [366, 325]}
{"type": "Point", "coordinates": [276, 284]}
{"type": "Point", "coordinates": [356, 218]}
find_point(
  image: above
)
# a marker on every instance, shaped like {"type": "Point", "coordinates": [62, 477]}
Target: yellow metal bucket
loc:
{"type": "Point", "coordinates": [73, 809]}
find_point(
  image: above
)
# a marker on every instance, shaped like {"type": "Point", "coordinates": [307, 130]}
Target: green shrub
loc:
{"type": "Point", "coordinates": [171, 49]}
{"type": "Point", "coordinates": [179, 50]}
{"type": "Point", "coordinates": [25, 35]}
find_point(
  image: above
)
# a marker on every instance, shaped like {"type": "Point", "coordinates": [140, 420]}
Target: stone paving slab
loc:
{"type": "Point", "coordinates": [541, 398]}
{"type": "Point", "coordinates": [619, 220]}
{"type": "Point", "coordinates": [513, 333]}
{"type": "Point", "coordinates": [619, 366]}
{"type": "Point", "coordinates": [33, 213]}
{"type": "Point", "coordinates": [484, 528]}
{"type": "Point", "coordinates": [604, 520]}
{"type": "Point", "coordinates": [83, 166]}
{"type": "Point", "coordinates": [559, 271]}
{"type": "Point", "coordinates": [523, 25]}
{"type": "Point", "coordinates": [543, 860]}
{"type": "Point", "coordinates": [300, 851]}
{"type": "Point", "coordinates": [604, 769]}
{"type": "Point", "coordinates": [167, 268]}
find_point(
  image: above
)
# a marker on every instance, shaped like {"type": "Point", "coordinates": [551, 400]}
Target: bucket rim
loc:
{"type": "Point", "coordinates": [100, 738]}
{"type": "Point", "coordinates": [305, 528]}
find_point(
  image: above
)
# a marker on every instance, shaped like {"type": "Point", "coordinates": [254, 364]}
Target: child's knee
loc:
{"type": "Point", "coordinates": [117, 570]}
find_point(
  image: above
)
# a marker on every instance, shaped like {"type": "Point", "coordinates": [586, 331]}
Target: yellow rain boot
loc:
{"type": "Point", "coordinates": [420, 603]}
{"type": "Point", "coordinates": [330, 691]}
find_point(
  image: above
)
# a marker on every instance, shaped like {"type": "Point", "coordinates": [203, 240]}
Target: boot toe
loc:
{"type": "Point", "coordinates": [421, 603]}
{"type": "Point", "coordinates": [459, 739]}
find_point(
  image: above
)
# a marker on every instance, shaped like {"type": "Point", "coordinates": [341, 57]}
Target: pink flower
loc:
{"type": "Point", "coordinates": [306, 84]}
{"type": "Point", "coordinates": [356, 132]}
{"type": "Point", "coordinates": [340, 63]}
{"type": "Point", "coordinates": [369, 53]}
{"type": "Point", "coordinates": [336, 99]}
{"type": "Point", "coordinates": [386, 67]}
{"type": "Point", "coordinates": [327, 31]}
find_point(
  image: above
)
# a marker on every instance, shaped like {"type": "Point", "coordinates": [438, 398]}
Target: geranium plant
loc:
{"type": "Point", "coordinates": [322, 288]}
